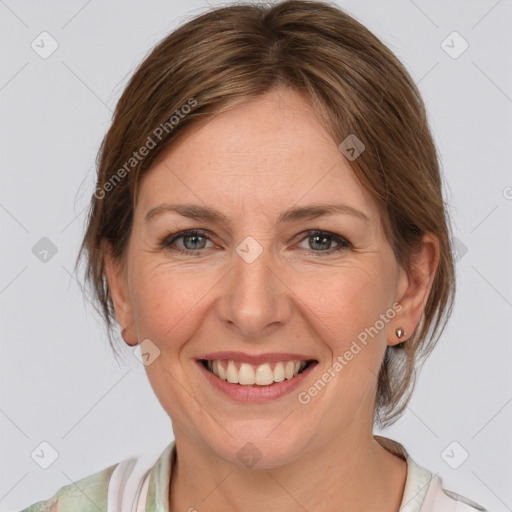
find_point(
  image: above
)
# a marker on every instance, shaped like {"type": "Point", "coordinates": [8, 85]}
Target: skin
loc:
{"type": "Point", "coordinates": [252, 162]}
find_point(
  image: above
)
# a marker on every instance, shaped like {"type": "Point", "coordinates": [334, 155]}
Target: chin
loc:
{"type": "Point", "coordinates": [260, 451]}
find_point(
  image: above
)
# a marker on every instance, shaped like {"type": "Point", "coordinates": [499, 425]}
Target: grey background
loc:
{"type": "Point", "coordinates": [59, 380]}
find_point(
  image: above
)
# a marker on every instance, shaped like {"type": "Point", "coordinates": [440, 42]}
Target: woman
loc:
{"type": "Point", "coordinates": [268, 227]}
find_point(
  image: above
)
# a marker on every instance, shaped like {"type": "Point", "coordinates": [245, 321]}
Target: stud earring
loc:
{"type": "Point", "coordinates": [400, 333]}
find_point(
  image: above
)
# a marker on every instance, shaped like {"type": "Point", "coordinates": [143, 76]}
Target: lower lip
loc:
{"type": "Point", "coordinates": [256, 393]}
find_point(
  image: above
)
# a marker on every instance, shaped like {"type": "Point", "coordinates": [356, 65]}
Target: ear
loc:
{"type": "Point", "coordinates": [413, 289]}
{"type": "Point", "coordinates": [115, 273]}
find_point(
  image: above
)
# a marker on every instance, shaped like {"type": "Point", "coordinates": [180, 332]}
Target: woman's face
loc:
{"type": "Point", "coordinates": [255, 286]}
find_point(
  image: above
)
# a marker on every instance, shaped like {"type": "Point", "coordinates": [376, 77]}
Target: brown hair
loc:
{"type": "Point", "coordinates": [231, 54]}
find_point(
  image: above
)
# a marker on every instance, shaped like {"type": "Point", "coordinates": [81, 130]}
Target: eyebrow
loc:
{"type": "Point", "coordinates": [199, 212]}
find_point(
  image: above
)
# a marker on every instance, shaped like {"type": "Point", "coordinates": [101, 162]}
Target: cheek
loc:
{"type": "Point", "coordinates": [167, 301]}
{"type": "Point", "coordinates": [346, 317]}
{"type": "Point", "coordinates": [347, 297]}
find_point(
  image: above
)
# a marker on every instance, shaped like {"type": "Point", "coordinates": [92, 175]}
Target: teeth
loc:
{"type": "Point", "coordinates": [246, 374]}
{"type": "Point", "coordinates": [232, 374]}
{"type": "Point", "coordinates": [264, 375]}
{"type": "Point", "coordinates": [249, 375]}
{"type": "Point", "coordinates": [221, 372]}
{"type": "Point", "coordinates": [290, 367]}
{"type": "Point", "coordinates": [279, 372]}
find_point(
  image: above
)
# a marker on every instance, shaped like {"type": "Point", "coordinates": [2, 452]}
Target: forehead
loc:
{"type": "Point", "coordinates": [269, 152]}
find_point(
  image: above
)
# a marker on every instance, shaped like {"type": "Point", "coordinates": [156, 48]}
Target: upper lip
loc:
{"type": "Point", "coordinates": [256, 358]}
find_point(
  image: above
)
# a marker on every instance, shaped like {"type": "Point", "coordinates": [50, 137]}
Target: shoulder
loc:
{"type": "Point", "coordinates": [88, 494]}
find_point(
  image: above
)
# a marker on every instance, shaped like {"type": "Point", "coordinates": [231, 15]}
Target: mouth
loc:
{"type": "Point", "coordinates": [247, 374]}
{"type": "Point", "coordinates": [245, 382]}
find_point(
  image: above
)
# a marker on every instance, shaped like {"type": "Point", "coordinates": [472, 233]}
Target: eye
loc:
{"type": "Point", "coordinates": [322, 240]}
{"type": "Point", "coordinates": [193, 240]}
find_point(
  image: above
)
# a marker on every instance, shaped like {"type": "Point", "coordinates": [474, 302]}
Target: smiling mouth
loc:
{"type": "Point", "coordinates": [246, 374]}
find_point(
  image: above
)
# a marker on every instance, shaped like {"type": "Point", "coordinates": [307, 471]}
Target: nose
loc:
{"type": "Point", "coordinates": [255, 300]}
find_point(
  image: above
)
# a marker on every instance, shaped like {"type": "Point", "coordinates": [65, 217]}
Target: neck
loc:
{"type": "Point", "coordinates": [344, 474]}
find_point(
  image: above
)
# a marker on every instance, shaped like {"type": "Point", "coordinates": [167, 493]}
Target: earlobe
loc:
{"type": "Point", "coordinates": [129, 340]}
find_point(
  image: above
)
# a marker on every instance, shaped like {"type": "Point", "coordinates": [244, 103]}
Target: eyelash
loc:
{"type": "Point", "coordinates": [167, 242]}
